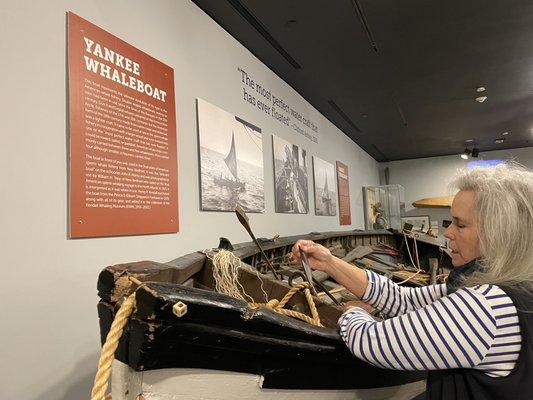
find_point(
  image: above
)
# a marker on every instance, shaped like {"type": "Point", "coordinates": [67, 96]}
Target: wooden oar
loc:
{"type": "Point", "coordinates": [243, 219]}
{"type": "Point", "coordinates": [366, 252]}
{"type": "Point", "coordinates": [357, 253]}
{"type": "Point", "coordinates": [332, 291]}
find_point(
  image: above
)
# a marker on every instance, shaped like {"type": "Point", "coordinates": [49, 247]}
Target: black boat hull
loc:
{"type": "Point", "coordinates": [222, 333]}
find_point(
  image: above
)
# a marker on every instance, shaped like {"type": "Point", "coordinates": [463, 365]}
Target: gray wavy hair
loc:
{"type": "Point", "coordinates": [504, 215]}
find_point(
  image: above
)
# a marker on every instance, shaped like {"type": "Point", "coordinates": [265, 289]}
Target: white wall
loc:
{"type": "Point", "coordinates": [429, 177]}
{"type": "Point", "coordinates": [49, 337]}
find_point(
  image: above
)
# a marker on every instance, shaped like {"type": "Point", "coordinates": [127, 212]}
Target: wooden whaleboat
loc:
{"type": "Point", "coordinates": [229, 347]}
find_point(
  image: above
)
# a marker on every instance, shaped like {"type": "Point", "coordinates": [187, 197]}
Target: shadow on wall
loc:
{"type": "Point", "coordinates": [77, 384]}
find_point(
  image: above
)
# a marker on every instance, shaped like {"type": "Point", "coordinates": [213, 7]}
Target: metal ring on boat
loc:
{"type": "Point", "coordinates": [294, 275]}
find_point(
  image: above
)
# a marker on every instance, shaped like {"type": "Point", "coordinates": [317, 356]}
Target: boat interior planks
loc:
{"type": "Point", "coordinates": [219, 332]}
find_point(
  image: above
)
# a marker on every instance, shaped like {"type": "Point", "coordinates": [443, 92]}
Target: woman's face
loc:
{"type": "Point", "coordinates": [462, 233]}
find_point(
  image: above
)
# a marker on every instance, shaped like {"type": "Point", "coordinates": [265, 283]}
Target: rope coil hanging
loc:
{"type": "Point", "coordinates": [226, 266]}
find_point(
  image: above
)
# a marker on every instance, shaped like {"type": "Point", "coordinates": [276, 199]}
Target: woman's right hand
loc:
{"type": "Point", "coordinates": [319, 257]}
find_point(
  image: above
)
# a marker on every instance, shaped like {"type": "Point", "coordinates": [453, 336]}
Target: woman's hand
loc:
{"type": "Point", "coordinates": [318, 256]}
{"type": "Point", "coordinates": [351, 277]}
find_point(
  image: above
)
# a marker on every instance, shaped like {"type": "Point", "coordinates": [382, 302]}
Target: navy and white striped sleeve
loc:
{"type": "Point", "coordinates": [502, 357]}
{"type": "Point", "coordinates": [455, 331]}
{"type": "Point", "coordinates": [392, 299]}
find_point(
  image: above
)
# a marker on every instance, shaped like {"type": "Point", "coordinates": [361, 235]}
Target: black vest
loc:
{"type": "Point", "coordinates": [467, 384]}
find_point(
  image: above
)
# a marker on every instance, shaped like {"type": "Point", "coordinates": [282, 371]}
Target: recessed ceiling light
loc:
{"type": "Point", "coordinates": [480, 89]}
{"type": "Point", "coordinates": [499, 141]}
{"type": "Point", "coordinates": [291, 23]}
{"type": "Point", "coordinates": [481, 99]}
{"type": "Point", "coordinates": [505, 133]}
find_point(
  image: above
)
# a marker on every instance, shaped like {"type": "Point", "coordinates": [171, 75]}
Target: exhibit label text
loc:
{"type": "Point", "coordinates": [115, 72]}
{"type": "Point", "coordinates": [256, 95]}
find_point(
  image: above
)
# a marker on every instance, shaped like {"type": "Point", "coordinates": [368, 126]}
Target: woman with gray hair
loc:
{"type": "Point", "coordinates": [474, 334]}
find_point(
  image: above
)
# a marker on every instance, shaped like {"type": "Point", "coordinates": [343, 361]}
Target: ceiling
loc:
{"type": "Point", "coordinates": [399, 77]}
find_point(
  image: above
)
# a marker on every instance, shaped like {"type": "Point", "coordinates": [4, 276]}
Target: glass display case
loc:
{"type": "Point", "coordinates": [383, 206]}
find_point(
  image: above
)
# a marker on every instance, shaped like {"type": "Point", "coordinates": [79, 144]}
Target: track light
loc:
{"type": "Point", "coordinates": [465, 154]}
{"type": "Point", "coordinates": [475, 152]}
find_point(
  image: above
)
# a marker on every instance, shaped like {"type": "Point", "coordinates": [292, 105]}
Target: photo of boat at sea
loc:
{"type": "Point", "coordinates": [231, 161]}
{"type": "Point", "coordinates": [325, 193]}
{"type": "Point", "coordinates": [291, 182]}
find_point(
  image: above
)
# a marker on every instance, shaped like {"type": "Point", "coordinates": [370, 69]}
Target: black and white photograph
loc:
{"type": "Point", "coordinates": [325, 193]}
{"type": "Point", "coordinates": [420, 223]}
{"type": "Point", "coordinates": [291, 177]}
{"type": "Point", "coordinates": [231, 161]}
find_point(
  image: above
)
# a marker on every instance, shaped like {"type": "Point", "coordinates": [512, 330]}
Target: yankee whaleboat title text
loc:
{"type": "Point", "coordinates": [115, 73]}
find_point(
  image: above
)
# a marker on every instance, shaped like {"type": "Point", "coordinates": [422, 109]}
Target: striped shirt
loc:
{"type": "Point", "coordinates": [428, 330]}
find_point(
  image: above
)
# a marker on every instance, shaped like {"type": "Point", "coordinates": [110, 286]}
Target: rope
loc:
{"type": "Point", "coordinates": [226, 268]}
{"type": "Point", "coordinates": [277, 305]}
{"type": "Point", "coordinates": [225, 273]}
{"type": "Point", "coordinates": [107, 354]}
{"type": "Point", "coordinates": [110, 346]}
{"type": "Point", "coordinates": [415, 250]}
{"type": "Point", "coordinates": [247, 129]}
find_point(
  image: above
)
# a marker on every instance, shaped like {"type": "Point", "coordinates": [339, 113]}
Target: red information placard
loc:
{"type": "Point", "coordinates": [345, 215]}
{"type": "Point", "coordinates": [123, 156]}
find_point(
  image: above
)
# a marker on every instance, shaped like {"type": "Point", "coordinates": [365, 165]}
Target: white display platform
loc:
{"type": "Point", "coordinates": [203, 384]}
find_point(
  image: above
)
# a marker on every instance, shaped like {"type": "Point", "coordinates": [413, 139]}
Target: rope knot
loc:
{"type": "Point", "coordinates": [278, 305]}
{"type": "Point", "coordinates": [272, 303]}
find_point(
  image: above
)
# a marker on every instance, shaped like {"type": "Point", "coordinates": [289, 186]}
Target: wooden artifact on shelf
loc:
{"type": "Point", "coordinates": [434, 202]}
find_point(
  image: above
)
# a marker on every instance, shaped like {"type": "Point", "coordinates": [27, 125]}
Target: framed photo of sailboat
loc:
{"type": "Point", "coordinates": [325, 193]}
{"type": "Point", "coordinates": [231, 161]}
{"type": "Point", "coordinates": [291, 177]}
